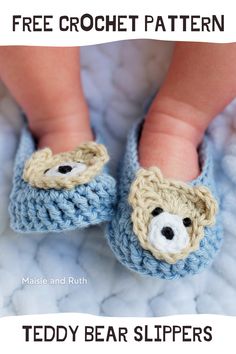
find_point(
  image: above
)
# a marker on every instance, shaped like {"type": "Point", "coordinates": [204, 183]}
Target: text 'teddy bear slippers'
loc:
{"type": "Point", "coordinates": [60, 192]}
{"type": "Point", "coordinates": [162, 227]}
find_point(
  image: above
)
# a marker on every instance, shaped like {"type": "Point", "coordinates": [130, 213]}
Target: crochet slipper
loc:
{"type": "Point", "coordinates": [162, 227]}
{"type": "Point", "coordinates": [60, 192]}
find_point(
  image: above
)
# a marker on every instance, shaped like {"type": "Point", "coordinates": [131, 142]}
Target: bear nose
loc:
{"type": "Point", "coordinates": [167, 232]}
{"type": "Point", "coordinates": [64, 169]}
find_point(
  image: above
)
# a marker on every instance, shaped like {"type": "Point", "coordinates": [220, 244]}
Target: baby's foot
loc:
{"type": "Point", "coordinates": [169, 141]}
{"type": "Point", "coordinates": [61, 134]}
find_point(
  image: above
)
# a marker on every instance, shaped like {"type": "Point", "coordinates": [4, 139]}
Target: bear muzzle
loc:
{"type": "Point", "coordinates": [167, 233]}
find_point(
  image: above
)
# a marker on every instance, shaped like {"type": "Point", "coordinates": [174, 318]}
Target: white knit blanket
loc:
{"type": "Point", "coordinates": [118, 78]}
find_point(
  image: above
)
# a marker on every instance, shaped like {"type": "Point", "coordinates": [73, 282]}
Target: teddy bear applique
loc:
{"type": "Point", "coordinates": [66, 170]}
{"type": "Point", "coordinates": [168, 216]}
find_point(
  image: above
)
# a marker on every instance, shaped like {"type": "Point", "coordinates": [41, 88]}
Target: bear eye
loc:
{"type": "Point", "coordinates": [157, 211]}
{"type": "Point", "coordinates": [187, 222]}
{"type": "Point", "coordinates": [64, 169]}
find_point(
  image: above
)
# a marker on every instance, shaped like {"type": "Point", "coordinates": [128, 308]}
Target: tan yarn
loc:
{"type": "Point", "coordinates": [92, 154]}
{"type": "Point", "coordinates": [150, 190]}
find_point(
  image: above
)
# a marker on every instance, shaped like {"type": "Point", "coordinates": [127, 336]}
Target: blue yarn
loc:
{"type": "Point", "coordinates": [39, 210]}
{"type": "Point", "coordinates": [124, 242]}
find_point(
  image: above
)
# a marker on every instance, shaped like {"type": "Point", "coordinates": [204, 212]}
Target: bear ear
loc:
{"type": "Point", "coordinates": [40, 156]}
{"type": "Point", "coordinates": [92, 153]}
{"type": "Point", "coordinates": [144, 185]}
{"type": "Point", "coordinates": [206, 205]}
{"type": "Point", "coordinates": [36, 162]}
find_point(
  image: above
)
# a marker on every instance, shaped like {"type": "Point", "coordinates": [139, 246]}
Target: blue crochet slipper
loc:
{"type": "Point", "coordinates": [60, 192]}
{"type": "Point", "coordinates": [165, 228]}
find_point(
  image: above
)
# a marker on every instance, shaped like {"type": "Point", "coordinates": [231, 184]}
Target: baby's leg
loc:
{"type": "Point", "coordinates": [200, 82]}
{"type": "Point", "coordinates": [46, 83]}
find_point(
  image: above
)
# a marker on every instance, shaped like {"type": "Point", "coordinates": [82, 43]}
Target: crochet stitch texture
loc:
{"type": "Point", "coordinates": [125, 243]}
{"type": "Point", "coordinates": [39, 210]}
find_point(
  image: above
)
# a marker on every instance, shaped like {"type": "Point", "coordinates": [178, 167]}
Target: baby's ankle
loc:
{"type": "Point", "coordinates": [61, 133]}
{"type": "Point", "coordinates": [171, 134]}
{"type": "Point", "coordinates": [173, 117]}
{"type": "Point", "coordinates": [176, 157]}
